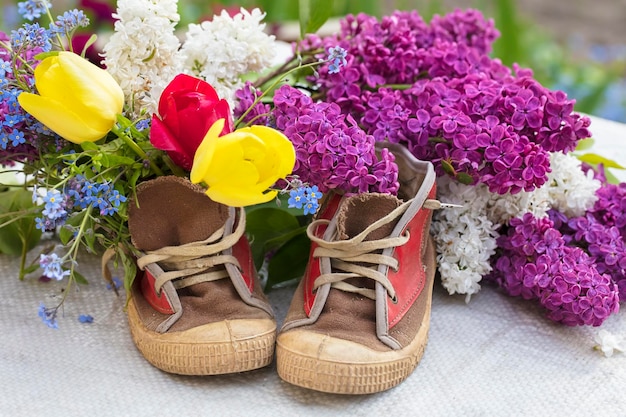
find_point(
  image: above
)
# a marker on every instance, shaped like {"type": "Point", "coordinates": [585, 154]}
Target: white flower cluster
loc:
{"type": "Point", "coordinates": [222, 50]}
{"type": "Point", "coordinates": [466, 238]}
{"type": "Point", "coordinates": [570, 190]}
{"type": "Point", "coordinates": [142, 53]}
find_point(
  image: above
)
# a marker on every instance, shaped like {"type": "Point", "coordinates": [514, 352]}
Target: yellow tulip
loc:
{"type": "Point", "coordinates": [77, 100]}
{"type": "Point", "coordinates": [239, 167]}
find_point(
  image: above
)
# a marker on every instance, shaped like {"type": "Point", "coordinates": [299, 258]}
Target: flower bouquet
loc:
{"type": "Point", "coordinates": [534, 219]}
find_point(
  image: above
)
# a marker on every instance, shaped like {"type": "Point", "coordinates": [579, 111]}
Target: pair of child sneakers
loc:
{"type": "Point", "coordinates": [358, 322]}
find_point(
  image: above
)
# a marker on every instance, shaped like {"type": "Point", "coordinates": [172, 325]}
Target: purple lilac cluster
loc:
{"type": "Point", "coordinates": [332, 151]}
{"type": "Point", "coordinates": [248, 103]}
{"type": "Point", "coordinates": [601, 232]}
{"type": "Point", "coordinates": [434, 89]}
{"type": "Point", "coordinates": [536, 263]}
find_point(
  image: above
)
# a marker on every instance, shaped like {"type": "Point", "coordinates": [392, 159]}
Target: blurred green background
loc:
{"type": "Point", "coordinates": [574, 46]}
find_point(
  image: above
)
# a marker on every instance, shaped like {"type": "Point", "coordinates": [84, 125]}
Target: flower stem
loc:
{"type": "Point", "coordinates": [136, 148]}
{"type": "Point", "coordinates": [273, 86]}
{"type": "Point", "coordinates": [23, 258]}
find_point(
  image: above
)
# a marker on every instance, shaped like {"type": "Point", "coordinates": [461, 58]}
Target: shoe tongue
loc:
{"type": "Point", "coordinates": [360, 211]}
{"type": "Point", "coordinates": [171, 212]}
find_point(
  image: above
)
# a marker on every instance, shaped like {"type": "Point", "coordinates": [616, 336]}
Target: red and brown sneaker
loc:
{"type": "Point", "coordinates": [359, 319]}
{"type": "Point", "coordinates": [197, 308]}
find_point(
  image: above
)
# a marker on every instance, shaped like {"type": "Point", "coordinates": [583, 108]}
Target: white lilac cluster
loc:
{"type": "Point", "coordinates": [142, 53]}
{"type": "Point", "coordinates": [466, 237]}
{"type": "Point", "coordinates": [570, 190]}
{"type": "Point", "coordinates": [220, 51]}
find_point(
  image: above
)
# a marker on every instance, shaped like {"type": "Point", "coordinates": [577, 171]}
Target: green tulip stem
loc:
{"type": "Point", "coordinates": [140, 152]}
{"type": "Point", "coordinates": [176, 170]}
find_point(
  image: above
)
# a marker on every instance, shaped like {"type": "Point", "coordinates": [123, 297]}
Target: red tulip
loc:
{"type": "Point", "coordinates": [188, 107]}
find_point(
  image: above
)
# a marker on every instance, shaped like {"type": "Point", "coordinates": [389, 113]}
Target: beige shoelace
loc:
{"type": "Point", "coordinates": [195, 262]}
{"type": "Point", "coordinates": [354, 257]}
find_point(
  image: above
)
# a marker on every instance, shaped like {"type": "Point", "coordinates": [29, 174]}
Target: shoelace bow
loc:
{"type": "Point", "coordinates": [354, 257]}
{"type": "Point", "coordinates": [195, 262]}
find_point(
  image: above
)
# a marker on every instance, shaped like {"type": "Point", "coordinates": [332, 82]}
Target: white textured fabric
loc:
{"type": "Point", "coordinates": [495, 356]}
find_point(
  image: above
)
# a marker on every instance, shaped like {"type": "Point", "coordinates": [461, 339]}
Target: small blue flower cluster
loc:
{"type": "Point", "coordinates": [101, 195]}
{"type": "Point", "coordinates": [48, 316]}
{"type": "Point", "coordinates": [79, 194]}
{"type": "Point", "coordinates": [69, 21]}
{"type": "Point", "coordinates": [306, 198]}
{"type": "Point", "coordinates": [52, 266]}
{"type": "Point", "coordinates": [33, 9]}
{"type": "Point", "coordinates": [54, 212]}
{"type": "Point", "coordinates": [337, 58]}
{"type": "Point", "coordinates": [33, 36]}
{"type": "Point", "coordinates": [85, 318]}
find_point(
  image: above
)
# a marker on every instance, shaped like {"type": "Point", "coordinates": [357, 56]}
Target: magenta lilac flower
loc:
{"type": "Point", "coordinates": [475, 119]}
{"type": "Point", "coordinates": [601, 232]}
{"type": "Point", "coordinates": [248, 103]}
{"type": "Point", "coordinates": [536, 263]}
{"type": "Point", "coordinates": [332, 151]}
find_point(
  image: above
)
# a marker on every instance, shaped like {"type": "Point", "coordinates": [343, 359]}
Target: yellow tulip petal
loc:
{"type": "Point", "coordinates": [284, 153]}
{"type": "Point", "coordinates": [239, 197]}
{"type": "Point", "coordinates": [61, 120]}
{"type": "Point", "coordinates": [229, 165]}
{"type": "Point", "coordinates": [239, 167]}
{"type": "Point", "coordinates": [205, 152]}
{"type": "Point", "coordinates": [73, 81]}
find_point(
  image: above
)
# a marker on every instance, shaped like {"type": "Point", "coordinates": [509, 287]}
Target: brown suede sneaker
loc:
{"type": "Point", "coordinates": [359, 319]}
{"type": "Point", "coordinates": [197, 308]}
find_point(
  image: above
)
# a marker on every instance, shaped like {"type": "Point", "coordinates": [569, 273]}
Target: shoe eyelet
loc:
{"type": "Point", "coordinates": [394, 299]}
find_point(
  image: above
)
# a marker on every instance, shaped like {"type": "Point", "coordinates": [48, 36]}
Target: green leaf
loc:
{"type": "Point", "coordinates": [89, 146]}
{"type": "Point", "coordinates": [464, 178]}
{"type": "Point", "coordinates": [507, 48]}
{"type": "Point", "coordinates": [313, 14]}
{"type": "Point", "coordinates": [109, 161]}
{"type": "Point", "coordinates": [44, 55]}
{"type": "Point", "coordinates": [448, 168]}
{"type": "Point", "coordinates": [130, 270]}
{"type": "Point", "coordinates": [79, 278]}
{"type": "Point", "coordinates": [92, 39]}
{"type": "Point", "coordinates": [265, 224]}
{"type": "Point", "coordinates": [289, 261]}
{"type": "Point", "coordinates": [595, 159]}
{"type": "Point", "coordinates": [66, 233]}
{"type": "Point", "coordinates": [21, 232]}
{"type": "Point", "coordinates": [31, 268]}
{"type": "Point", "coordinates": [585, 144]}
